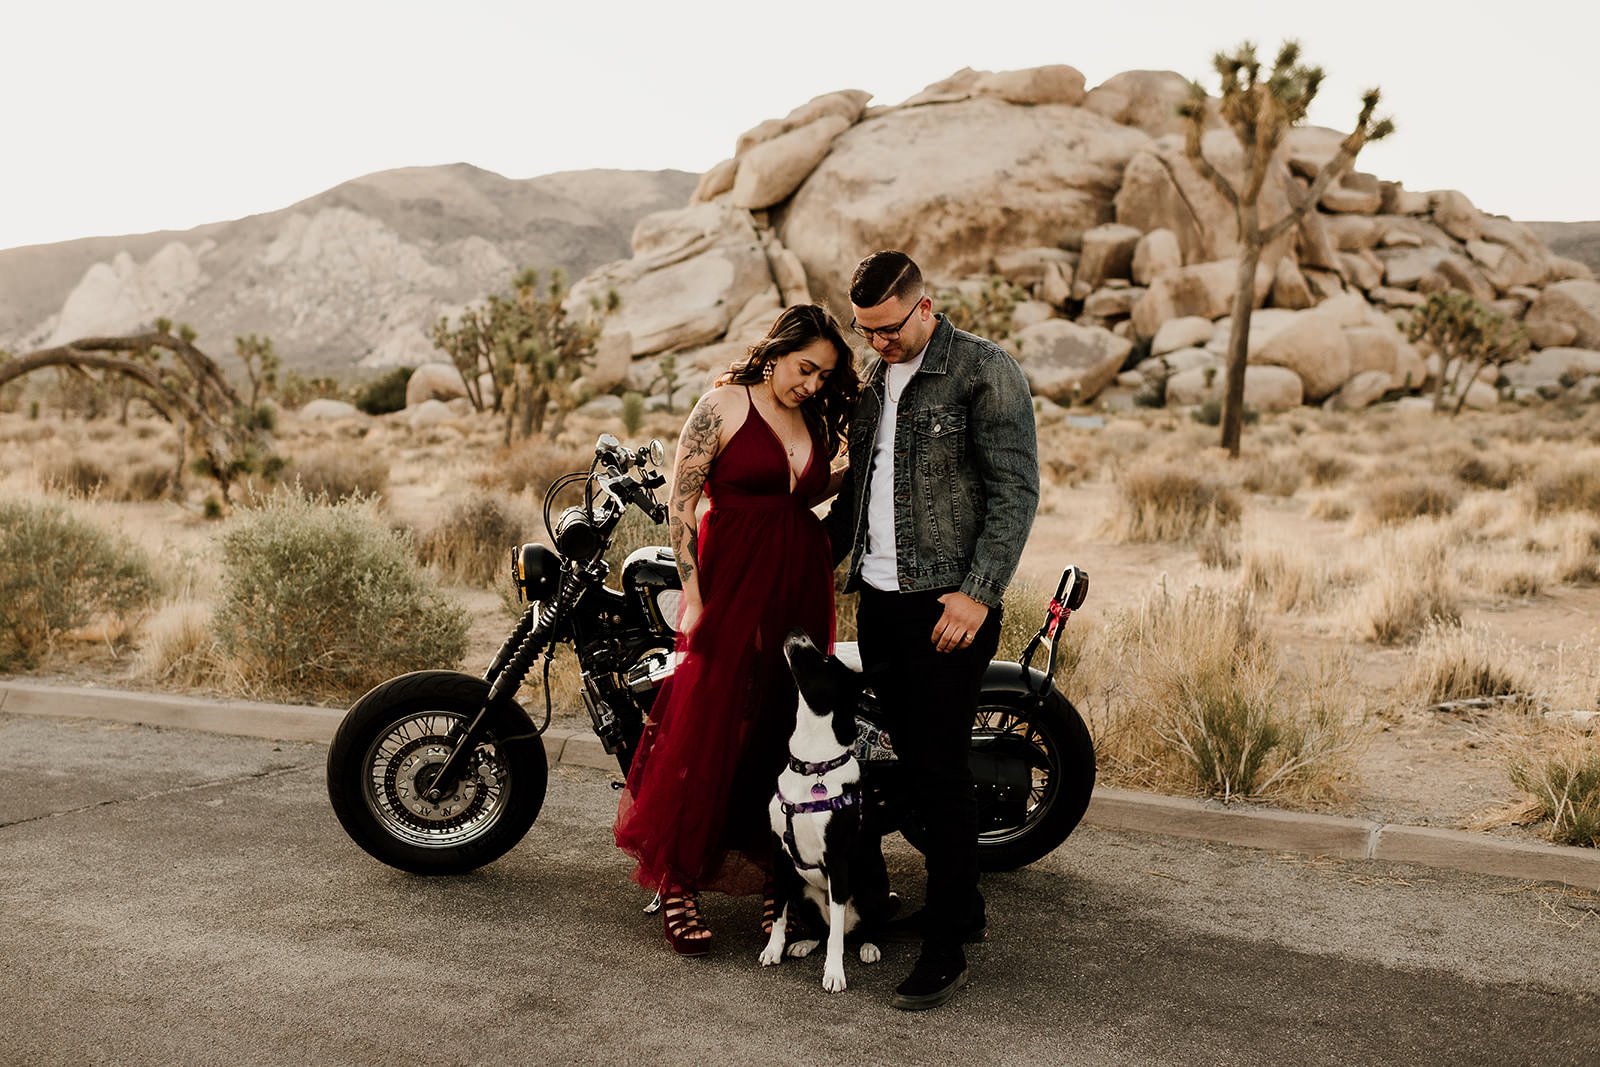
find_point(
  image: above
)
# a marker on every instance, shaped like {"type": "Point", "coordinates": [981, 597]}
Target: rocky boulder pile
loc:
{"type": "Point", "coordinates": [1084, 199]}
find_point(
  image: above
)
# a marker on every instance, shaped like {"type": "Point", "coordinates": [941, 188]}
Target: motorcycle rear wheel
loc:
{"type": "Point", "coordinates": [1056, 754]}
{"type": "Point", "coordinates": [387, 745]}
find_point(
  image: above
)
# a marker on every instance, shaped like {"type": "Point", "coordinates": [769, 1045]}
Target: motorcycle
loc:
{"type": "Point", "coordinates": [440, 772]}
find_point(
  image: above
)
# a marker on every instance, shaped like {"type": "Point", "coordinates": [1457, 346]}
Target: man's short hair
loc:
{"type": "Point", "coordinates": [885, 274]}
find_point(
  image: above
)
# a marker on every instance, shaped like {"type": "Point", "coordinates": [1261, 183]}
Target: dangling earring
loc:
{"type": "Point", "coordinates": [766, 371]}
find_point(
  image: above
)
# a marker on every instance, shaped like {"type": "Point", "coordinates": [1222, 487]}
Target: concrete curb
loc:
{"type": "Point", "coordinates": [1111, 809]}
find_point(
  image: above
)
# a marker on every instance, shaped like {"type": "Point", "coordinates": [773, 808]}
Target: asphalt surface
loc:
{"type": "Point", "coordinates": [175, 897]}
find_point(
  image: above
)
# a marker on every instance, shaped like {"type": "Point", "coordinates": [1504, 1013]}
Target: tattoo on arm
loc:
{"type": "Point", "coordinates": [697, 447]}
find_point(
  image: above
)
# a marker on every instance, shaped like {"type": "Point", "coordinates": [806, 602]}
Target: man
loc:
{"type": "Point", "coordinates": [941, 492]}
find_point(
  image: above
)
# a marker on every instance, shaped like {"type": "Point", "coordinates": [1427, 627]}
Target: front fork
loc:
{"type": "Point", "coordinates": [532, 635]}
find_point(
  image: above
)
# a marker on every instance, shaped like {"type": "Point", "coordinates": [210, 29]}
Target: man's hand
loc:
{"type": "Point", "coordinates": [959, 624]}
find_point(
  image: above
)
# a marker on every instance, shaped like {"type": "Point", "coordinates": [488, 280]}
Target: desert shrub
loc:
{"type": "Point", "coordinates": [56, 573]}
{"type": "Point", "coordinates": [634, 531]}
{"type": "Point", "coordinates": [1285, 579]}
{"type": "Point", "coordinates": [74, 475]}
{"type": "Point", "coordinates": [322, 601]}
{"type": "Point", "coordinates": [1409, 584]}
{"type": "Point", "coordinates": [1479, 468]}
{"type": "Point", "coordinates": [632, 412]}
{"type": "Point", "coordinates": [385, 394]}
{"type": "Point", "coordinates": [1209, 413]}
{"type": "Point", "coordinates": [1192, 693]}
{"type": "Point", "coordinates": [1453, 662]}
{"type": "Point", "coordinates": [472, 542]}
{"type": "Point", "coordinates": [1334, 507]}
{"type": "Point", "coordinates": [1159, 501]}
{"type": "Point", "coordinates": [1578, 551]}
{"type": "Point", "coordinates": [1565, 786]}
{"type": "Point", "coordinates": [337, 472]}
{"type": "Point", "coordinates": [532, 464]}
{"type": "Point", "coordinates": [1218, 548]}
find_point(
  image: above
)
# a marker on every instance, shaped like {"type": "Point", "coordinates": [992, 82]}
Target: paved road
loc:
{"type": "Point", "coordinates": [176, 897]}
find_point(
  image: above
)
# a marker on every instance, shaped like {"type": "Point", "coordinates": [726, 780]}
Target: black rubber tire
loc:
{"type": "Point", "coordinates": [1061, 743]}
{"type": "Point", "coordinates": [353, 754]}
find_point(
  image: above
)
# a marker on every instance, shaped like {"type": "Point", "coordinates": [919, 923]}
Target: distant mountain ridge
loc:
{"type": "Point", "coordinates": [352, 275]}
{"type": "Point", "coordinates": [1575, 240]}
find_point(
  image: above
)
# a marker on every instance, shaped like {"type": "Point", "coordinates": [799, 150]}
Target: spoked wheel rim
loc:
{"type": "Point", "coordinates": [400, 765]}
{"type": "Point", "coordinates": [1044, 766]}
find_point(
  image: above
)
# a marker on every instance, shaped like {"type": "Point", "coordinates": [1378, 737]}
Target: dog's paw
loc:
{"type": "Point", "coordinates": [801, 949]}
{"type": "Point", "coordinates": [870, 952]}
{"type": "Point", "coordinates": [772, 954]}
{"type": "Point", "coordinates": [833, 979]}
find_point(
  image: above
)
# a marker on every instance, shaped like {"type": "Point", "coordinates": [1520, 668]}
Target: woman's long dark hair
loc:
{"type": "Point", "coordinates": [827, 413]}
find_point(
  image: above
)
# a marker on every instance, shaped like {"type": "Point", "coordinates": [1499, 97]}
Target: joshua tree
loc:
{"type": "Point", "coordinates": [1468, 335]}
{"type": "Point", "coordinates": [188, 389]}
{"type": "Point", "coordinates": [1260, 112]}
{"type": "Point", "coordinates": [528, 345]}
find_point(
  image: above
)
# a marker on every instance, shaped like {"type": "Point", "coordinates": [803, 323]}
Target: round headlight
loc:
{"type": "Point", "coordinates": [536, 571]}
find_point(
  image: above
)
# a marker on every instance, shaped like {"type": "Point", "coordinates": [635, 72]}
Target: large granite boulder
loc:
{"type": "Point", "coordinates": [1043, 176]}
{"type": "Point", "coordinates": [693, 271]}
{"type": "Point", "coordinates": [1146, 99]}
{"type": "Point", "coordinates": [1161, 189]}
{"type": "Point", "coordinates": [1265, 388]}
{"type": "Point", "coordinates": [1314, 346]}
{"type": "Point", "coordinates": [1566, 314]}
{"type": "Point", "coordinates": [1203, 289]}
{"type": "Point", "coordinates": [770, 171]}
{"type": "Point", "coordinates": [1068, 362]}
{"type": "Point", "coordinates": [434, 381]}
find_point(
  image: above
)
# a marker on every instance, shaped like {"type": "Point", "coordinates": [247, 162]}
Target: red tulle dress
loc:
{"type": "Point", "coordinates": [694, 810]}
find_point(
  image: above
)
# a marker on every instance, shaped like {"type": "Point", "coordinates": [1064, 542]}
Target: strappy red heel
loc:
{"type": "Point", "coordinates": [686, 931]}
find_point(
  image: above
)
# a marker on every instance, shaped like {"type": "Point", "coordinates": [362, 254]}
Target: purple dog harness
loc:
{"type": "Point", "coordinates": [849, 797]}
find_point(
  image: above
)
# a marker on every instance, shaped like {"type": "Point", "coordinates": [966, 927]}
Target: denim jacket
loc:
{"type": "Point", "coordinates": [966, 469]}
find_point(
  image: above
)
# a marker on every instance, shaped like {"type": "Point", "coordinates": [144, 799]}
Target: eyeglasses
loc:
{"type": "Point", "coordinates": [888, 333]}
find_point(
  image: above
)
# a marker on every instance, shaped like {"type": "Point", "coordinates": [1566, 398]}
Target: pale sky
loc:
{"type": "Point", "coordinates": [128, 117]}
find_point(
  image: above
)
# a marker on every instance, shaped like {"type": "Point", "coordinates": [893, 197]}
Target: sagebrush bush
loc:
{"type": "Point", "coordinates": [1161, 501]}
{"type": "Point", "coordinates": [1453, 662]}
{"type": "Point", "coordinates": [385, 394]}
{"type": "Point", "coordinates": [58, 572]}
{"type": "Point", "coordinates": [472, 543]}
{"type": "Point", "coordinates": [338, 472]}
{"type": "Point", "coordinates": [322, 601]}
{"type": "Point", "coordinates": [1565, 786]}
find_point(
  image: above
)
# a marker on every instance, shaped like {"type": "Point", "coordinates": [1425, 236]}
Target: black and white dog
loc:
{"type": "Point", "coordinates": [828, 864]}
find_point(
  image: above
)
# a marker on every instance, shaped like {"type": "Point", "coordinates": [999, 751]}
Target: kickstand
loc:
{"type": "Point", "coordinates": [654, 905]}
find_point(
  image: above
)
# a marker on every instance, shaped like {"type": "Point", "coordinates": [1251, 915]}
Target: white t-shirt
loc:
{"type": "Point", "coordinates": [879, 567]}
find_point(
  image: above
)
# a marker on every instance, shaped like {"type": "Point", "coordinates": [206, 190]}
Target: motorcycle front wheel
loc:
{"type": "Point", "coordinates": [395, 738]}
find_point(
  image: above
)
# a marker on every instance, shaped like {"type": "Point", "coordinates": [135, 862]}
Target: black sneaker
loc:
{"type": "Point", "coordinates": [913, 928]}
{"type": "Point", "coordinates": [932, 981]}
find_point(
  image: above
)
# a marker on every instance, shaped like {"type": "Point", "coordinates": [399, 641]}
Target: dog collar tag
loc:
{"type": "Point", "coordinates": [819, 791]}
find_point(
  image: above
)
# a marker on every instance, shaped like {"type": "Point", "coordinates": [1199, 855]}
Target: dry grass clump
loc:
{"type": "Point", "coordinates": [471, 544]}
{"type": "Point", "coordinates": [74, 475]}
{"type": "Point", "coordinates": [1278, 473]}
{"type": "Point", "coordinates": [1453, 662]}
{"type": "Point", "coordinates": [1571, 484]}
{"type": "Point", "coordinates": [1191, 693]}
{"type": "Point", "coordinates": [1410, 497]}
{"type": "Point", "coordinates": [144, 482]}
{"type": "Point", "coordinates": [532, 464]}
{"type": "Point", "coordinates": [1564, 781]}
{"type": "Point", "coordinates": [1506, 571]}
{"type": "Point", "coordinates": [58, 572]}
{"type": "Point", "coordinates": [1163, 501]}
{"type": "Point", "coordinates": [180, 650]}
{"type": "Point", "coordinates": [1326, 468]}
{"type": "Point", "coordinates": [1577, 550]}
{"type": "Point", "coordinates": [1287, 581]}
{"type": "Point", "coordinates": [1331, 507]}
{"type": "Point", "coordinates": [338, 472]}
{"type": "Point", "coordinates": [322, 601]}
{"type": "Point", "coordinates": [1409, 584]}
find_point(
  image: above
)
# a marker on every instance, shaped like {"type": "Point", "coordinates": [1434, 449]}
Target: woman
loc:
{"type": "Point", "coordinates": [759, 445]}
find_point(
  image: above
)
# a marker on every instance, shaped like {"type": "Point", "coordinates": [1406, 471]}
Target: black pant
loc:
{"type": "Point", "coordinates": [929, 698]}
